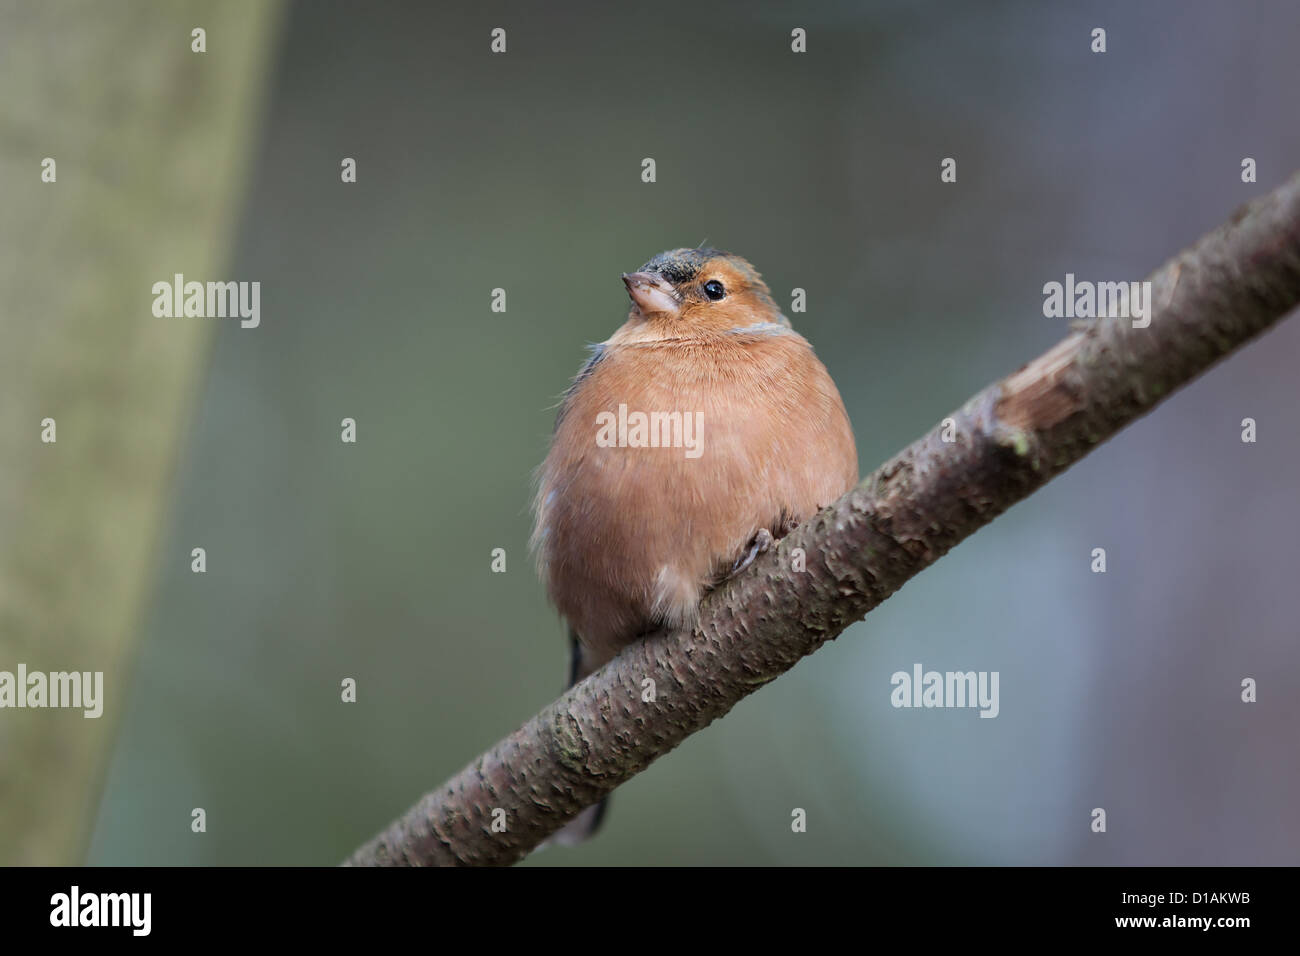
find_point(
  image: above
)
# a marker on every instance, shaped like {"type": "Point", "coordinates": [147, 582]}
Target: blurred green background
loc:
{"type": "Point", "coordinates": [522, 171]}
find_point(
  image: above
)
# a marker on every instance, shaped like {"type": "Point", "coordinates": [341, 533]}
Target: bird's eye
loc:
{"type": "Point", "coordinates": [714, 290]}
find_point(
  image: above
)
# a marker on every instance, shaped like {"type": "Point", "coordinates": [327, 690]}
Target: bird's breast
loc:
{"type": "Point", "coordinates": [666, 461]}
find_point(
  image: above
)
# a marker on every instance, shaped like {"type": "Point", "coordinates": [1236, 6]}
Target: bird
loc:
{"type": "Point", "coordinates": [699, 433]}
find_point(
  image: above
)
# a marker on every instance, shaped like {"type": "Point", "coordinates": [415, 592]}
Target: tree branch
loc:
{"type": "Point", "coordinates": [1010, 439]}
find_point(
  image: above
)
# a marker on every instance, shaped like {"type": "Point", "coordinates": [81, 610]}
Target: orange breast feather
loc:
{"type": "Point", "coordinates": [635, 516]}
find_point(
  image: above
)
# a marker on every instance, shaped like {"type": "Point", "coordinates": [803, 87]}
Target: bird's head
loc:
{"type": "Point", "coordinates": [684, 291]}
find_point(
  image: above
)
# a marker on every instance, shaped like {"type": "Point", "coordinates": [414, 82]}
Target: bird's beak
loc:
{"type": "Point", "coordinates": [651, 293]}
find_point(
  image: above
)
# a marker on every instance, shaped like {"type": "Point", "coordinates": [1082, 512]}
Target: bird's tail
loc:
{"type": "Point", "coordinates": [582, 827]}
{"type": "Point", "coordinates": [586, 823]}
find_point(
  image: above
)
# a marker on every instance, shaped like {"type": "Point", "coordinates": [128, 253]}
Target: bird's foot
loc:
{"type": "Point", "coordinates": [762, 541]}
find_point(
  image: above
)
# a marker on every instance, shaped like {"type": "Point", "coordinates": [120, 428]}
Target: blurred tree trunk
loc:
{"type": "Point", "coordinates": [150, 142]}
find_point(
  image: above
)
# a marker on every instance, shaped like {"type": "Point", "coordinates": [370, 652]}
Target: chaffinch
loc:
{"type": "Point", "coordinates": [699, 432]}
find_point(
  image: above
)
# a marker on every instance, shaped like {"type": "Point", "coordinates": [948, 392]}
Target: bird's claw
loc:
{"type": "Point", "coordinates": [762, 542]}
